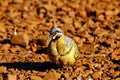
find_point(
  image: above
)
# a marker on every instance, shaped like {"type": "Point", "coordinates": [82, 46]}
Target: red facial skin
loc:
{"type": "Point", "coordinates": [54, 34]}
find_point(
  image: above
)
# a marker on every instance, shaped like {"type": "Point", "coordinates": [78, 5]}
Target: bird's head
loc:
{"type": "Point", "coordinates": [55, 34]}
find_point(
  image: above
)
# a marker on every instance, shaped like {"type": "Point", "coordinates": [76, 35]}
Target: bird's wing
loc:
{"type": "Point", "coordinates": [67, 47]}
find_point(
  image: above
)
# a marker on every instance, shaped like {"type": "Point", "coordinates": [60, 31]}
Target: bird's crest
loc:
{"type": "Point", "coordinates": [54, 27]}
{"type": "Point", "coordinates": [54, 22]}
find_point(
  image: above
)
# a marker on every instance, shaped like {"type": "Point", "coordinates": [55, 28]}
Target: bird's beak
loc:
{"type": "Point", "coordinates": [51, 37]}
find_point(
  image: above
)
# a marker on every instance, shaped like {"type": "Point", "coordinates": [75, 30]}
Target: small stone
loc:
{"type": "Point", "coordinates": [116, 55]}
{"type": "Point", "coordinates": [83, 14]}
{"type": "Point", "coordinates": [1, 78]}
{"type": "Point", "coordinates": [18, 1]}
{"type": "Point", "coordinates": [109, 12]}
{"type": "Point", "coordinates": [20, 39]}
{"type": "Point", "coordinates": [52, 75]}
{"type": "Point", "coordinates": [12, 77]}
{"type": "Point", "coordinates": [21, 77]}
{"type": "Point", "coordinates": [2, 27]}
{"type": "Point", "coordinates": [3, 69]}
{"type": "Point", "coordinates": [117, 79]}
{"type": "Point", "coordinates": [96, 75]}
{"type": "Point", "coordinates": [101, 17]}
{"type": "Point", "coordinates": [90, 39]}
{"type": "Point", "coordinates": [76, 39]}
{"type": "Point", "coordinates": [67, 20]}
{"type": "Point", "coordinates": [35, 78]}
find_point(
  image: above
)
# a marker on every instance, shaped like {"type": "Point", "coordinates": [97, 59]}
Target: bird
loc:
{"type": "Point", "coordinates": [62, 50]}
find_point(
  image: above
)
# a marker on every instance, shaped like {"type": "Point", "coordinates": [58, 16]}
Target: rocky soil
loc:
{"type": "Point", "coordinates": [93, 24]}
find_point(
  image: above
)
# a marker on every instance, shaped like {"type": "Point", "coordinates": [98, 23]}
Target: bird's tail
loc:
{"type": "Point", "coordinates": [77, 53]}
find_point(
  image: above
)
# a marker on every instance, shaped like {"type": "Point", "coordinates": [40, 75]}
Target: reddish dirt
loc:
{"type": "Point", "coordinates": [93, 24]}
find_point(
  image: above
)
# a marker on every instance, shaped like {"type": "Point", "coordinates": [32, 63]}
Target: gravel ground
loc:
{"type": "Point", "coordinates": [93, 24]}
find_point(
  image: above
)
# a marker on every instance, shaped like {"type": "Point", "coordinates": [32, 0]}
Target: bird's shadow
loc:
{"type": "Point", "coordinates": [40, 66]}
{"type": "Point", "coordinates": [40, 51]}
{"type": "Point", "coordinates": [5, 41]}
{"type": "Point", "coordinates": [31, 65]}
